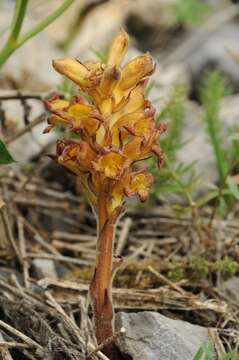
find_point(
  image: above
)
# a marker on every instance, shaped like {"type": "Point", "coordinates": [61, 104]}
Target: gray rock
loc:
{"type": "Point", "coordinates": [197, 146]}
{"type": "Point", "coordinates": [152, 336]}
{"type": "Point", "coordinates": [99, 28]}
{"type": "Point", "coordinates": [147, 21]}
{"type": "Point", "coordinates": [29, 67]}
{"type": "Point", "coordinates": [216, 52]}
{"type": "Point", "coordinates": [152, 23]}
{"type": "Point", "coordinates": [231, 288]}
{"type": "Point", "coordinates": [44, 268]}
{"type": "Point", "coordinates": [30, 144]}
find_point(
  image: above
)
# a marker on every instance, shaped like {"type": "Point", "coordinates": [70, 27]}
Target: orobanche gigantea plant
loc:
{"type": "Point", "coordinates": [116, 131]}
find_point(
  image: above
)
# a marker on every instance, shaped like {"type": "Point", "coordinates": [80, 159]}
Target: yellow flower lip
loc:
{"type": "Point", "coordinates": [139, 184]}
{"type": "Point", "coordinates": [112, 164]}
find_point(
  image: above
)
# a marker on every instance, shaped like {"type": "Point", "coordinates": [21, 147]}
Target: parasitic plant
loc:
{"type": "Point", "coordinates": [117, 131]}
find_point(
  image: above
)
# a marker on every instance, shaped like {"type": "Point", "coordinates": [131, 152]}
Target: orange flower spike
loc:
{"type": "Point", "coordinates": [116, 129]}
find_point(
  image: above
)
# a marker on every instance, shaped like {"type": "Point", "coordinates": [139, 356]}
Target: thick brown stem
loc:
{"type": "Point", "coordinates": [101, 283]}
{"type": "Point", "coordinates": [100, 288]}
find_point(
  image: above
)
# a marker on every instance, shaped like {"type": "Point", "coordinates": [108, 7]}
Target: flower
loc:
{"type": "Point", "coordinates": [117, 129]}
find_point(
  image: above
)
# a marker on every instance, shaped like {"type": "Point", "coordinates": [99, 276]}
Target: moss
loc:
{"type": "Point", "coordinates": [82, 274]}
{"type": "Point", "coordinates": [176, 274]}
{"type": "Point", "coordinates": [227, 266]}
{"type": "Point", "coordinates": [199, 267]}
{"type": "Point", "coordinates": [135, 273]}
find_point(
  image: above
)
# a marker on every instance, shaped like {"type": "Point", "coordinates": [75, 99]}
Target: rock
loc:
{"type": "Point", "coordinates": [152, 336]}
{"type": "Point", "coordinates": [197, 146]}
{"type": "Point", "coordinates": [64, 22]}
{"type": "Point", "coordinates": [30, 144]}
{"type": "Point", "coordinates": [99, 28]}
{"type": "Point", "coordinates": [29, 67]}
{"type": "Point", "coordinates": [231, 288]}
{"type": "Point", "coordinates": [216, 52]}
{"type": "Point", "coordinates": [44, 268]}
{"type": "Point", "coordinates": [152, 23]}
{"type": "Point", "coordinates": [149, 22]}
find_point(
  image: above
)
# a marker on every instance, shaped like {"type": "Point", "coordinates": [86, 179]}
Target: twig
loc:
{"type": "Point", "coordinates": [166, 281]}
{"type": "Point", "coordinates": [19, 334]}
{"type": "Point", "coordinates": [26, 296]}
{"type": "Point", "coordinates": [12, 344]}
{"type": "Point", "coordinates": [107, 342]}
{"type": "Point", "coordinates": [37, 237]}
{"type": "Point", "coordinates": [78, 247]}
{"type": "Point", "coordinates": [72, 324]}
{"type": "Point", "coordinates": [26, 110]}
{"type": "Point", "coordinates": [4, 215]}
{"type": "Point", "coordinates": [123, 236]}
{"type": "Point", "coordinates": [16, 95]}
{"type": "Point", "coordinates": [62, 258]}
{"type": "Point", "coordinates": [28, 354]}
{"type": "Point", "coordinates": [4, 350]}
{"type": "Point", "coordinates": [23, 131]}
{"type": "Point", "coordinates": [213, 333]}
{"type": "Point", "coordinates": [41, 203]}
{"type": "Point", "coordinates": [22, 246]}
{"type": "Point", "coordinates": [61, 235]}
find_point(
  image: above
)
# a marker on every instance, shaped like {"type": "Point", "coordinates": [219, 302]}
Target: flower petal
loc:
{"type": "Point", "coordinates": [118, 48]}
{"type": "Point", "coordinates": [140, 184]}
{"type": "Point", "coordinates": [55, 103]}
{"type": "Point", "coordinates": [76, 156]}
{"type": "Point", "coordinates": [112, 164]}
{"type": "Point", "coordinates": [109, 80]}
{"type": "Point", "coordinates": [135, 70]}
{"type": "Point", "coordinates": [144, 127]}
{"type": "Point", "coordinates": [82, 75]}
{"type": "Point", "coordinates": [135, 102]}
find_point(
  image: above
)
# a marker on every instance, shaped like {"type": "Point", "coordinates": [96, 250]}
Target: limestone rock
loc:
{"type": "Point", "coordinates": [231, 288]}
{"type": "Point", "coordinates": [194, 135]}
{"type": "Point", "coordinates": [216, 52]}
{"type": "Point", "coordinates": [152, 336]}
{"type": "Point", "coordinates": [29, 67]}
{"type": "Point", "coordinates": [30, 144]}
